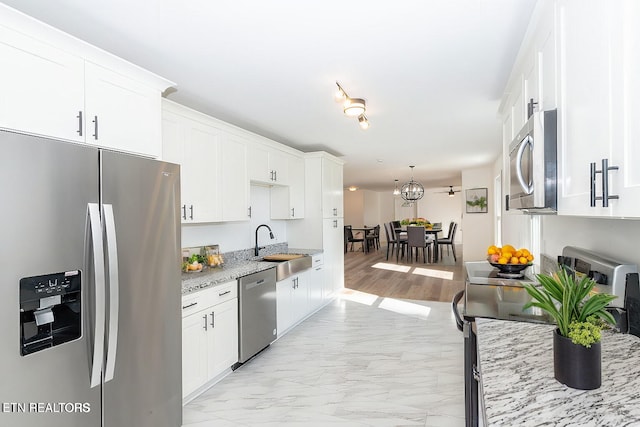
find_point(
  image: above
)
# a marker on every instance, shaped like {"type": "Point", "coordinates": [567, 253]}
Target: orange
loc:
{"type": "Point", "coordinates": [491, 251]}
{"type": "Point", "coordinates": [514, 260]}
{"type": "Point", "coordinates": [525, 252]}
{"type": "Point", "coordinates": [508, 248]}
{"type": "Point", "coordinates": [523, 260]}
{"type": "Point", "coordinates": [507, 255]}
{"type": "Point", "coordinates": [530, 258]}
{"type": "Point", "coordinates": [518, 253]}
{"type": "Point", "coordinates": [502, 260]}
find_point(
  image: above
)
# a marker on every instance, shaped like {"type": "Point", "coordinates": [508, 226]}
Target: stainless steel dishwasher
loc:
{"type": "Point", "coordinates": [256, 313]}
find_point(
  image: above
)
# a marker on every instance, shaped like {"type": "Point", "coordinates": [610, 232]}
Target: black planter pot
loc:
{"type": "Point", "coordinates": [575, 365]}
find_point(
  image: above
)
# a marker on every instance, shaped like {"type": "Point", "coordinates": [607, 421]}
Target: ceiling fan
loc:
{"type": "Point", "coordinates": [451, 191]}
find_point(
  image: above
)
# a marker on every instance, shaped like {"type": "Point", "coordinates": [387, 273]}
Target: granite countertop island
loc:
{"type": "Point", "coordinates": [235, 267]}
{"type": "Point", "coordinates": [516, 361]}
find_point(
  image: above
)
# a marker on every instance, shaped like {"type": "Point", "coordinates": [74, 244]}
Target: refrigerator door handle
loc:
{"type": "Point", "coordinates": [114, 291]}
{"type": "Point", "coordinates": [94, 230]}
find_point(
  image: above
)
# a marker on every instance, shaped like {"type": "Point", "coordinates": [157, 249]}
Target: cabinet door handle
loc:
{"type": "Point", "coordinates": [605, 183]}
{"type": "Point", "coordinates": [184, 211]}
{"type": "Point", "coordinates": [224, 293]}
{"type": "Point", "coordinates": [275, 175]}
{"type": "Point", "coordinates": [335, 211]}
{"type": "Point", "coordinates": [271, 178]}
{"type": "Point", "coordinates": [205, 321]}
{"type": "Point", "coordinates": [95, 127]}
{"type": "Point", "coordinates": [213, 319]}
{"type": "Point", "coordinates": [79, 117]}
{"type": "Point", "coordinates": [335, 223]}
{"type": "Point", "coordinates": [249, 214]}
{"type": "Point", "coordinates": [319, 268]}
{"type": "Point", "coordinates": [191, 212]}
{"type": "Point", "coordinates": [293, 212]}
{"type": "Point", "coordinates": [190, 305]}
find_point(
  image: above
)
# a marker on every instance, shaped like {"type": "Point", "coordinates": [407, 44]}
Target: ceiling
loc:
{"type": "Point", "coordinates": [432, 71]}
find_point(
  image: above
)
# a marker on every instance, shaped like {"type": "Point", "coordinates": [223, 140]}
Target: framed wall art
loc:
{"type": "Point", "coordinates": [476, 200]}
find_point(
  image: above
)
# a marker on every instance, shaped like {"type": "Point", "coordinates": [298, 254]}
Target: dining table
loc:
{"type": "Point", "coordinates": [427, 231]}
{"type": "Point", "coordinates": [365, 230]}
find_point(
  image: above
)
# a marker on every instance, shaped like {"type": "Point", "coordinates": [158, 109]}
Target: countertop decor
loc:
{"type": "Point", "coordinates": [580, 316]}
{"type": "Point", "coordinates": [516, 360]}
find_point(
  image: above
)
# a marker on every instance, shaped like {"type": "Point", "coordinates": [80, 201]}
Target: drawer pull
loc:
{"type": "Point", "coordinates": [224, 293]}
{"type": "Point", "coordinates": [189, 305]}
{"type": "Point", "coordinates": [318, 260]}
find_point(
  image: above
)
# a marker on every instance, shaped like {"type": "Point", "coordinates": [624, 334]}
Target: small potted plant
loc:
{"type": "Point", "coordinates": [580, 314]}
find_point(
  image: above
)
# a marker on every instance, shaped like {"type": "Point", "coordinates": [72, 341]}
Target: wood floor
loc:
{"type": "Point", "coordinates": [373, 274]}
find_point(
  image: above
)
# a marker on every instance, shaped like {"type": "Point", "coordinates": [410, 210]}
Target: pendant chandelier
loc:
{"type": "Point", "coordinates": [412, 190]}
{"type": "Point", "coordinates": [396, 191]}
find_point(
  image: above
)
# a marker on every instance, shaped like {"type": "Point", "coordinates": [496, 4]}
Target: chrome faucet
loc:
{"type": "Point", "coordinates": [270, 235]}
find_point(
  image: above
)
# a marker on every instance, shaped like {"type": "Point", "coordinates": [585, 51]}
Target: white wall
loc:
{"type": "Point", "coordinates": [437, 206]}
{"type": "Point", "coordinates": [478, 227]}
{"type": "Point", "coordinates": [371, 208]}
{"type": "Point", "coordinates": [233, 236]}
{"type": "Point", "coordinates": [354, 208]}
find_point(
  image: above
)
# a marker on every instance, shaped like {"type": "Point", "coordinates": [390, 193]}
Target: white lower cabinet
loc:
{"type": "Point", "coordinates": [209, 335]}
{"type": "Point", "coordinates": [292, 296]}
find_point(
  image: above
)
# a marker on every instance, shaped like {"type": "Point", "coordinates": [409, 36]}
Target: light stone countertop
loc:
{"type": "Point", "coordinates": [232, 269]}
{"type": "Point", "coordinates": [516, 361]}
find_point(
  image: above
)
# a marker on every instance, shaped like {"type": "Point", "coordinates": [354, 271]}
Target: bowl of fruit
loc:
{"type": "Point", "coordinates": [508, 259]}
{"type": "Point", "coordinates": [193, 264]}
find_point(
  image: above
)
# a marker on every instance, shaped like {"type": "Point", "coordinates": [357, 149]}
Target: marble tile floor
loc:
{"type": "Point", "coordinates": [360, 361]}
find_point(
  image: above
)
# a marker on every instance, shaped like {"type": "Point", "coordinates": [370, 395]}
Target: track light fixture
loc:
{"type": "Point", "coordinates": [363, 121]}
{"type": "Point", "coordinates": [451, 192]}
{"type": "Point", "coordinates": [352, 107]}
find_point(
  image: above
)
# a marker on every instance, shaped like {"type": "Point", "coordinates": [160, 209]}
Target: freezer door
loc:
{"type": "Point", "coordinates": [143, 383]}
{"type": "Point", "coordinates": [45, 187]}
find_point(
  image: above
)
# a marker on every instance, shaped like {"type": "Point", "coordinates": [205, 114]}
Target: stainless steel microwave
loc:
{"type": "Point", "coordinates": [533, 165]}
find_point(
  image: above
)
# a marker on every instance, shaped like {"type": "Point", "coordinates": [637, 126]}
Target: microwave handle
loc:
{"type": "Point", "coordinates": [528, 188]}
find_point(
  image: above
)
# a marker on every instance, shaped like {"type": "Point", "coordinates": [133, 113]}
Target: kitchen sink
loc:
{"type": "Point", "coordinates": [287, 268]}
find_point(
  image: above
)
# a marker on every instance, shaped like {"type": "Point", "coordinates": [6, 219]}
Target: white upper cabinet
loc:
{"type": "Point", "coordinates": [235, 181]}
{"type": "Point", "coordinates": [625, 153]}
{"type": "Point", "coordinates": [584, 119]}
{"type": "Point", "coordinates": [582, 58]}
{"type": "Point", "coordinates": [287, 202]}
{"type": "Point", "coordinates": [121, 113]}
{"type": "Point", "coordinates": [57, 86]}
{"type": "Point", "coordinates": [268, 165]}
{"type": "Point", "coordinates": [194, 146]}
{"type": "Point", "coordinates": [599, 89]}
{"type": "Point", "coordinates": [42, 88]}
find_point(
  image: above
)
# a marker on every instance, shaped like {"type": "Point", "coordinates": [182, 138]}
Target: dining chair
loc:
{"type": "Point", "coordinates": [350, 239]}
{"type": "Point", "coordinates": [449, 241]}
{"type": "Point", "coordinates": [417, 239]}
{"type": "Point", "coordinates": [400, 241]}
{"type": "Point", "coordinates": [373, 238]}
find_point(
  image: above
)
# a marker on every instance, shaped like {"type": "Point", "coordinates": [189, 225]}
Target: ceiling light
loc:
{"type": "Point", "coordinates": [364, 123]}
{"type": "Point", "coordinates": [353, 107]}
{"type": "Point", "coordinates": [412, 190]}
{"type": "Point", "coordinates": [340, 94]}
{"type": "Point", "coordinates": [451, 192]}
{"type": "Point", "coordinates": [353, 188]}
{"type": "Point", "coordinates": [396, 191]}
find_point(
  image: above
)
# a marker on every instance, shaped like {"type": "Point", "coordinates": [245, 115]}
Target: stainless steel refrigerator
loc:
{"type": "Point", "coordinates": [89, 287]}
